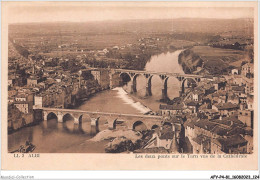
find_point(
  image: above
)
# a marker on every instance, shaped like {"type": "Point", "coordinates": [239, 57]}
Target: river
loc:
{"type": "Point", "coordinates": [51, 137]}
{"type": "Point", "coordinates": [166, 62]}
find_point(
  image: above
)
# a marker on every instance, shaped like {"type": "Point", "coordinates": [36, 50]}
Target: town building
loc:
{"type": "Point", "coordinates": [169, 110]}
{"type": "Point", "coordinates": [102, 78]}
{"type": "Point", "coordinates": [234, 71]}
{"type": "Point", "coordinates": [248, 70]}
{"type": "Point", "coordinates": [246, 116]}
{"type": "Point", "coordinates": [23, 106]}
{"type": "Point", "coordinates": [33, 81]}
{"type": "Point", "coordinates": [226, 109]}
{"type": "Point", "coordinates": [235, 144]}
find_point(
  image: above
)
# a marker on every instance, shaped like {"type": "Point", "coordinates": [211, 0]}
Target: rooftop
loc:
{"type": "Point", "coordinates": [232, 140]}
{"type": "Point", "coordinates": [227, 106]}
{"type": "Point", "coordinates": [205, 124]}
{"type": "Point", "coordinates": [171, 107]}
{"type": "Point", "coordinates": [167, 135]}
{"type": "Point", "coordinates": [201, 139]}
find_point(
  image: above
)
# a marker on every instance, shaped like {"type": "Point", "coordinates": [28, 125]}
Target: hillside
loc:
{"type": "Point", "coordinates": [214, 60]}
{"type": "Point", "coordinates": [216, 26]}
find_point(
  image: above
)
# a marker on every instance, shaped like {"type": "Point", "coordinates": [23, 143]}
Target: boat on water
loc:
{"type": "Point", "coordinates": [27, 148]}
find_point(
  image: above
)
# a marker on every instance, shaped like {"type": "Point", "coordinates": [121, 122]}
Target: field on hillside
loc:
{"type": "Point", "coordinates": [208, 53]}
{"type": "Point", "coordinates": [137, 39]}
{"type": "Point", "coordinates": [218, 60]}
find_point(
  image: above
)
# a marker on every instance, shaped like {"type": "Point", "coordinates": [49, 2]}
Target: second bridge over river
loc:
{"type": "Point", "coordinates": [131, 120]}
{"type": "Point", "coordinates": [130, 77]}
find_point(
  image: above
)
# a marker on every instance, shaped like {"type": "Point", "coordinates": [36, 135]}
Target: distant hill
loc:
{"type": "Point", "coordinates": [216, 26]}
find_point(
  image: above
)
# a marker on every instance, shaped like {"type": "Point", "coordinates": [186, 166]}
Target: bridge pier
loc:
{"type": "Point", "coordinates": [130, 126]}
{"type": "Point", "coordinates": [76, 120]}
{"type": "Point", "coordinates": [180, 93]}
{"type": "Point", "coordinates": [45, 115]}
{"type": "Point", "coordinates": [94, 125]}
{"type": "Point", "coordinates": [111, 124]}
{"type": "Point", "coordinates": [60, 117]}
{"type": "Point", "coordinates": [45, 124]}
{"type": "Point", "coordinates": [164, 94]}
{"type": "Point", "coordinates": [111, 82]}
{"type": "Point", "coordinates": [148, 87]}
{"type": "Point", "coordinates": [148, 91]}
{"type": "Point", "coordinates": [132, 86]}
{"type": "Point", "coordinates": [164, 91]}
{"type": "Point", "coordinates": [164, 79]}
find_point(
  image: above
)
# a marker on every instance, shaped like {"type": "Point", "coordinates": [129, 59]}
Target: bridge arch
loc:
{"type": "Point", "coordinates": [80, 129]}
{"type": "Point", "coordinates": [84, 118]}
{"type": "Point", "coordinates": [165, 87]}
{"type": "Point", "coordinates": [139, 126]}
{"type": "Point", "coordinates": [155, 126]}
{"type": "Point", "coordinates": [167, 125]}
{"type": "Point", "coordinates": [51, 115]}
{"type": "Point", "coordinates": [94, 125]}
{"type": "Point", "coordinates": [68, 122]}
{"type": "Point", "coordinates": [190, 82]}
{"type": "Point", "coordinates": [125, 78]}
{"type": "Point", "coordinates": [51, 120]}
{"type": "Point", "coordinates": [67, 117]}
{"type": "Point", "coordinates": [142, 82]}
{"type": "Point", "coordinates": [135, 82]}
{"type": "Point", "coordinates": [80, 119]}
{"type": "Point", "coordinates": [114, 124]}
{"type": "Point", "coordinates": [78, 123]}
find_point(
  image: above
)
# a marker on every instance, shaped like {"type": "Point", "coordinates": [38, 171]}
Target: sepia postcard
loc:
{"type": "Point", "coordinates": [129, 86]}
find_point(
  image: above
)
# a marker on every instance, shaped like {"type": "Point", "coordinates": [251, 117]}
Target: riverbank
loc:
{"type": "Point", "coordinates": [207, 60]}
{"type": "Point", "coordinates": [141, 64]}
{"type": "Point", "coordinates": [18, 120]}
{"type": "Point", "coordinates": [189, 61]}
{"type": "Point", "coordinates": [64, 137]}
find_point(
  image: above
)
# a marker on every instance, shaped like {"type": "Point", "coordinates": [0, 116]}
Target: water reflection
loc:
{"type": "Point", "coordinates": [51, 136]}
{"type": "Point", "coordinates": [167, 62]}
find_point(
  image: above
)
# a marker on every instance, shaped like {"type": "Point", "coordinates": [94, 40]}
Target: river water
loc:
{"type": "Point", "coordinates": [166, 62]}
{"type": "Point", "coordinates": [51, 137]}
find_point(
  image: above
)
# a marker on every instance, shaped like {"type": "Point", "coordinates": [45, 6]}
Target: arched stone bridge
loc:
{"type": "Point", "coordinates": [164, 76]}
{"type": "Point", "coordinates": [131, 120]}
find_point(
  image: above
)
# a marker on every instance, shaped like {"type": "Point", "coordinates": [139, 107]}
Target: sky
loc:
{"type": "Point", "coordinates": [88, 12]}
